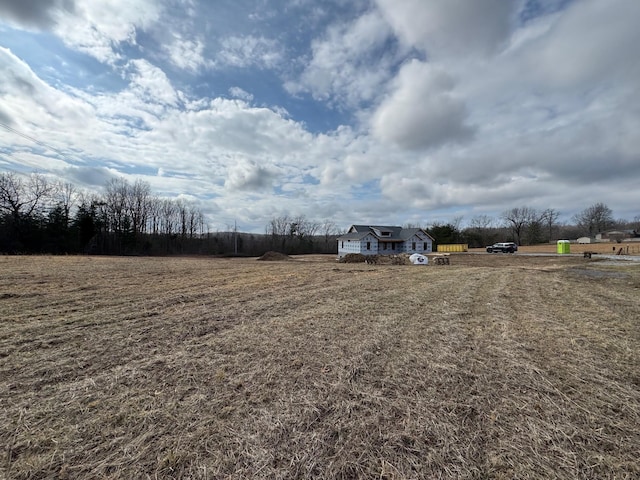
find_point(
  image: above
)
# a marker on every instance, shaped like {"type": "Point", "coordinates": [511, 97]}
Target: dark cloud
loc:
{"type": "Point", "coordinates": [34, 13]}
{"type": "Point", "coordinates": [22, 84]}
{"type": "Point", "coordinates": [5, 117]}
{"type": "Point", "coordinates": [451, 28]}
{"type": "Point", "coordinates": [249, 176]}
{"type": "Point", "coordinates": [423, 111]}
{"type": "Point", "coordinates": [88, 176]}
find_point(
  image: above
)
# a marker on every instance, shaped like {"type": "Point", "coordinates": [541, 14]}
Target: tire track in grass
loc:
{"type": "Point", "coordinates": [326, 371]}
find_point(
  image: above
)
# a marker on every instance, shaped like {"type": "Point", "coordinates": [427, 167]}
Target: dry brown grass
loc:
{"type": "Point", "coordinates": [609, 248]}
{"type": "Point", "coordinates": [497, 366]}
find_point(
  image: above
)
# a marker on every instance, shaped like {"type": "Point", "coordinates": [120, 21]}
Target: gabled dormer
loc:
{"type": "Point", "coordinates": [382, 232]}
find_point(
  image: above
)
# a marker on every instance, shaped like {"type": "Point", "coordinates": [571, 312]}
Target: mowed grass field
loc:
{"type": "Point", "coordinates": [493, 367]}
{"type": "Point", "coordinates": [605, 248]}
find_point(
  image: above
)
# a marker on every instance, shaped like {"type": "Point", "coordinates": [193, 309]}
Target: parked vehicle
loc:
{"type": "Point", "coordinates": [502, 247]}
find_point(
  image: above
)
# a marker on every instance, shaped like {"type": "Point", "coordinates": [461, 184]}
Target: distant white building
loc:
{"type": "Point", "coordinates": [616, 235]}
{"type": "Point", "coordinates": [586, 240]}
{"type": "Point", "coordinates": [378, 240]}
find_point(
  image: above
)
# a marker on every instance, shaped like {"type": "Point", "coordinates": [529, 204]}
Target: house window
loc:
{"type": "Point", "coordinates": [384, 246]}
{"type": "Point", "coordinates": [413, 245]}
{"type": "Point", "coordinates": [368, 245]}
{"type": "Point", "coordinates": [393, 246]}
{"type": "Point", "coordinates": [342, 244]}
{"type": "Point", "coordinates": [425, 246]}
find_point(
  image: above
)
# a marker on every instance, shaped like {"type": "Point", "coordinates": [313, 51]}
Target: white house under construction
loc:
{"type": "Point", "coordinates": [377, 240]}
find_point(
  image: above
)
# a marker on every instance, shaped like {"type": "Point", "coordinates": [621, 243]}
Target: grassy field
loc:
{"type": "Point", "coordinates": [494, 367]}
{"type": "Point", "coordinates": [608, 248]}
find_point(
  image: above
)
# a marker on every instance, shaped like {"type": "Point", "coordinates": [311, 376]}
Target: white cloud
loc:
{"type": "Point", "coordinates": [99, 28]}
{"type": "Point", "coordinates": [28, 102]}
{"type": "Point", "coordinates": [491, 113]}
{"type": "Point", "coordinates": [591, 42]}
{"type": "Point", "coordinates": [422, 111]}
{"type": "Point", "coordinates": [151, 84]}
{"type": "Point", "coordinates": [452, 27]}
{"type": "Point", "coordinates": [237, 92]}
{"type": "Point", "coordinates": [249, 175]}
{"type": "Point", "coordinates": [349, 64]}
{"type": "Point", "coordinates": [93, 177]}
{"type": "Point", "coordinates": [245, 51]}
{"type": "Point", "coordinates": [186, 54]}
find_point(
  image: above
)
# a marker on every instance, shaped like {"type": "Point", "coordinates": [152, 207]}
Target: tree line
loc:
{"type": "Point", "coordinates": [529, 226]}
{"type": "Point", "coordinates": [40, 216]}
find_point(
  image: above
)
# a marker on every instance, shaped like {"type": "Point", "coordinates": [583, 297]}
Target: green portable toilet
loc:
{"type": "Point", "coordinates": [564, 246]}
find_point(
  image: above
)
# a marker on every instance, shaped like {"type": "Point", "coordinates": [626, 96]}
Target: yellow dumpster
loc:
{"type": "Point", "coordinates": [453, 247]}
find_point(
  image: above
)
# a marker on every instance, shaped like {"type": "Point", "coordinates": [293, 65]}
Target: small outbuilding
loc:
{"type": "Point", "coordinates": [615, 235]}
{"type": "Point", "coordinates": [564, 246]}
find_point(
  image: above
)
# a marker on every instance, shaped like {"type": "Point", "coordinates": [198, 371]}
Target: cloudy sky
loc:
{"type": "Point", "coordinates": [359, 111]}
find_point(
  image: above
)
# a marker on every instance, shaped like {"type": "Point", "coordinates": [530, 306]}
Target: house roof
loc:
{"type": "Point", "coordinates": [353, 236]}
{"type": "Point", "coordinates": [619, 232]}
{"type": "Point", "coordinates": [387, 233]}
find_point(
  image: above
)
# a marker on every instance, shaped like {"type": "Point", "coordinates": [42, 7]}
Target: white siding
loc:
{"type": "Point", "coordinates": [392, 247]}
{"type": "Point", "coordinates": [420, 241]}
{"type": "Point", "coordinates": [358, 246]}
{"type": "Point", "coordinates": [373, 245]}
{"type": "Point", "coordinates": [348, 246]}
{"type": "Point", "coordinates": [377, 248]}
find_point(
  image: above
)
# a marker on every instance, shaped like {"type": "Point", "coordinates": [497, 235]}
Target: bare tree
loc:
{"type": "Point", "coordinates": [301, 227]}
{"type": "Point", "coordinates": [533, 232]}
{"type": "Point", "coordinates": [154, 206]}
{"type": "Point", "coordinates": [117, 201]}
{"type": "Point", "coordinates": [278, 228]}
{"type": "Point", "coordinates": [138, 203]}
{"type": "Point", "coordinates": [182, 210]}
{"type": "Point", "coordinates": [194, 221]}
{"type": "Point", "coordinates": [169, 219]}
{"type": "Point", "coordinates": [457, 221]}
{"type": "Point", "coordinates": [66, 195]}
{"type": "Point", "coordinates": [481, 222]}
{"type": "Point", "coordinates": [594, 219]}
{"type": "Point", "coordinates": [480, 229]}
{"type": "Point", "coordinates": [517, 219]}
{"type": "Point", "coordinates": [329, 229]}
{"type": "Point", "coordinates": [278, 225]}
{"type": "Point", "coordinates": [549, 217]}
{"type": "Point", "coordinates": [21, 198]}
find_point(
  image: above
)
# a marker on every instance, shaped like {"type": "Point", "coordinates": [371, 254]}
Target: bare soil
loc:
{"type": "Point", "coordinates": [493, 367]}
{"type": "Point", "coordinates": [274, 257]}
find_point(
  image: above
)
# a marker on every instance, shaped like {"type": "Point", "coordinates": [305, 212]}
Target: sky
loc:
{"type": "Point", "coordinates": [387, 112]}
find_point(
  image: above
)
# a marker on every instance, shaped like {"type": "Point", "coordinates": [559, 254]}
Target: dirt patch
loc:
{"type": "Point", "coordinates": [274, 257]}
{"type": "Point", "coordinates": [496, 366]}
{"type": "Point", "coordinates": [353, 258]}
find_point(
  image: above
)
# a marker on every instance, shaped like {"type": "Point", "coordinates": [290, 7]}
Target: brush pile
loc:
{"type": "Point", "coordinates": [353, 258]}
